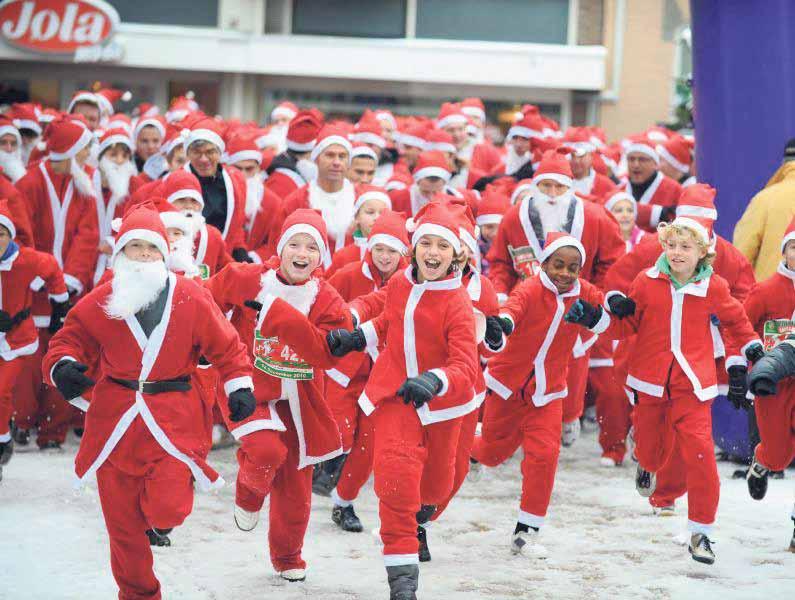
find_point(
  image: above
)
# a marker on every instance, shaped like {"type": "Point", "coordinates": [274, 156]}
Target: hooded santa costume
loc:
{"type": "Point", "coordinates": [292, 427]}
{"type": "Point", "coordinates": [145, 437]}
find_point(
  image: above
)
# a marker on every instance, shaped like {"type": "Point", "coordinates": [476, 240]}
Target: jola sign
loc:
{"type": "Point", "coordinates": [56, 26]}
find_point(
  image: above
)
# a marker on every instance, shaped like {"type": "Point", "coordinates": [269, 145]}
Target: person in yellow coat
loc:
{"type": "Point", "coordinates": [758, 233]}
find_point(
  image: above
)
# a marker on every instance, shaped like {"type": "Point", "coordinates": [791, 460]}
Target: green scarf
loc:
{"type": "Point", "coordinates": [702, 272]}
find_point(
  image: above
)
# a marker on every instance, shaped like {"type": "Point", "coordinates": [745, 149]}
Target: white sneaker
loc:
{"type": "Point", "coordinates": [631, 444]}
{"type": "Point", "coordinates": [293, 575]}
{"type": "Point", "coordinates": [700, 549]}
{"type": "Point", "coordinates": [606, 461]}
{"type": "Point", "coordinates": [664, 511]}
{"type": "Point", "coordinates": [571, 432]}
{"type": "Point", "coordinates": [525, 543]}
{"type": "Point", "coordinates": [245, 520]}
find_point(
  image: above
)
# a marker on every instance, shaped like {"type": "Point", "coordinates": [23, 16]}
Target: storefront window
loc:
{"type": "Point", "coordinates": [196, 13]}
{"type": "Point", "coordinates": [356, 18]}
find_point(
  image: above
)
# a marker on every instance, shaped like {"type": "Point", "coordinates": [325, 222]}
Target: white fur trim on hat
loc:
{"type": "Point", "coordinates": [414, 141]}
{"type": "Point", "coordinates": [296, 147]}
{"type": "Point", "coordinates": [580, 148]}
{"type": "Point", "coordinates": [282, 111]}
{"type": "Point", "coordinates": [470, 241]}
{"type": "Point", "coordinates": [494, 219]}
{"type": "Point", "coordinates": [702, 212]}
{"type": "Point", "coordinates": [386, 240]}
{"type": "Point", "coordinates": [670, 159]}
{"type": "Point", "coordinates": [85, 139]}
{"type": "Point", "coordinates": [432, 172]}
{"type": "Point", "coordinates": [186, 193]}
{"type": "Point", "coordinates": [115, 139]}
{"type": "Point", "coordinates": [618, 197]}
{"type": "Point", "coordinates": [454, 119]}
{"type": "Point", "coordinates": [643, 149]}
{"type": "Point", "coordinates": [525, 132]}
{"type": "Point", "coordinates": [28, 124]}
{"type": "Point", "coordinates": [372, 195]}
{"type": "Point", "coordinates": [562, 242]}
{"type": "Point", "coordinates": [525, 187]}
{"type": "Point", "coordinates": [438, 230]}
{"type": "Point", "coordinates": [330, 141]}
{"type": "Point", "coordinates": [141, 234]}
{"type": "Point", "coordinates": [177, 220]}
{"type": "Point", "coordinates": [149, 122]}
{"type": "Point", "coordinates": [301, 228]}
{"type": "Point", "coordinates": [364, 152]}
{"type": "Point", "coordinates": [84, 97]}
{"type": "Point", "coordinates": [367, 137]}
{"type": "Point", "coordinates": [8, 224]}
{"type": "Point", "coordinates": [787, 238]}
{"type": "Point", "coordinates": [441, 147]}
{"type": "Point", "coordinates": [695, 226]}
{"type": "Point", "coordinates": [206, 135]}
{"type": "Point", "coordinates": [244, 155]}
{"type": "Point", "coordinates": [474, 111]}
{"type": "Point", "coordinates": [561, 179]}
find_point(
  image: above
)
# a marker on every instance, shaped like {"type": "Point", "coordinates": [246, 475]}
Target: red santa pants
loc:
{"type": "Point", "coordinates": [9, 373]}
{"type": "Point", "coordinates": [576, 381]}
{"type": "Point", "coordinates": [413, 465]}
{"type": "Point", "coordinates": [268, 462]}
{"type": "Point", "coordinates": [463, 451]}
{"type": "Point", "coordinates": [613, 411]}
{"type": "Point", "coordinates": [508, 424]}
{"type": "Point", "coordinates": [680, 418]}
{"type": "Point", "coordinates": [140, 487]}
{"type": "Point", "coordinates": [775, 416]}
{"type": "Point", "coordinates": [359, 464]}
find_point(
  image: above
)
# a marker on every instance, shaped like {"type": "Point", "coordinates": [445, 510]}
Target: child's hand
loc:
{"type": "Point", "coordinates": [495, 327]}
{"type": "Point", "coordinates": [621, 306]}
{"type": "Point", "coordinates": [583, 313]}
{"type": "Point", "coordinates": [341, 342]}
{"type": "Point", "coordinates": [420, 389]}
{"type": "Point", "coordinates": [738, 387]}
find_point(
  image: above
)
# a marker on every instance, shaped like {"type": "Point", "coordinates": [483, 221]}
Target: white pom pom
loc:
{"type": "Point", "coordinates": [41, 145]}
{"type": "Point", "coordinates": [184, 133]}
{"type": "Point", "coordinates": [411, 225]}
{"type": "Point", "coordinates": [126, 96]}
{"type": "Point", "coordinates": [115, 224]}
{"type": "Point", "coordinates": [190, 95]}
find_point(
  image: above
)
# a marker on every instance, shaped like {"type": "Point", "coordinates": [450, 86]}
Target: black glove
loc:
{"type": "Point", "coordinates": [420, 389]}
{"type": "Point", "coordinates": [341, 341]}
{"type": "Point", "coordinates": [772, 368]}
{"type": "Point", "coordinates": [354, 320]}
{"type": "Point", "coordinates": [241, 255]}
{"type": "Point", "coordinates": [738, 386]}
{"type": "Point", "coordinates": [494, 332]}
{"type": "Point", "coordinates": [754, 353]}
{"type": "Point", "coordinates": [583, 313]}
{"type": "Point", "coordinates": [668, 213]}
{"type": "Point", "coordinates": [253, 304]}
{"type": "Point", "coordinates": [70, 380]}
{"type": "Point", "coordinates": [5, 322]}
{"type": "Point", "coordinates": [59, 310]}
{"type": "Point", "coordinates": [241, 404]}
{"type": "Point", "coordinates": [621, 306]}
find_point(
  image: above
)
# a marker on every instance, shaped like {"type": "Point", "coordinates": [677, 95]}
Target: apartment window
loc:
{"type": "Point", "coordinates": [192, 13]}
{"type": "Point", "coordinates": [353, 18]}
{"type": "Point", "coordinates": [540, 21]}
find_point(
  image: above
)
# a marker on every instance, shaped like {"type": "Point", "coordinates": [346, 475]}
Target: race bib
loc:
{"type": "Point", "coordinates": [277, 359]}
{"type": "Point", "coordinates": [776, 331]}
{"type": "Point", "coordinates": [525, 262]}
{"type": "Point", "coordinates": [204, 271]}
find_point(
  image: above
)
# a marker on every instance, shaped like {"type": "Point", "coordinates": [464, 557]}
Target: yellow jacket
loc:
{"type": "Point", "coordinates": [759, 232]}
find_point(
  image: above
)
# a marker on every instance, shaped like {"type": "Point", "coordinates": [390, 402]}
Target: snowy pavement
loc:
{"type": "Point", "coordinates": [603, 542]}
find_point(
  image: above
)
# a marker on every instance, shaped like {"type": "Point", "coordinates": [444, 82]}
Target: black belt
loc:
{"type": "Point", "coordinates": [178, 384]}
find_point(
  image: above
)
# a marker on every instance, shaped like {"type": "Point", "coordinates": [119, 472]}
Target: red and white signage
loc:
{"type": "Point", "coordinates": [57, 26]}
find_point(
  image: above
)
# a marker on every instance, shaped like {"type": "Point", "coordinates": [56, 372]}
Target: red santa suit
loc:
{"type": "Point", "coordinates": [17, 205]}
{"type": "Point", "coordinates": [284, 177]}
{"type": "Point", "coordinates": [262, 225]}
{"type": "Point", "coordinates": [660, 192]}
{"type": "Point", "coordinates": [524, 408]}
{"type": "Point", "coordinates": [292, 427]}
{"type": "Point", "coordinates": [147, 450]}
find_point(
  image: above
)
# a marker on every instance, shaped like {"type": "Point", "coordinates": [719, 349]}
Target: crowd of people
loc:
{"type": "Point", "coordinates": [400, 297]}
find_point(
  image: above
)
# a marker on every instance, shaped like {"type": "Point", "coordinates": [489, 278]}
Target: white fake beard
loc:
{"type": "Point", "coordinates": [12, 164]}
{"type": "Point", "coordinates": [196, 219]}
{"type": "Point", "coordinates": [81, 179]}
{"type": "Point", "coordinates": [180, 259]}
{"type": "Point", "coordinates": [254, 190]}
{"type": "Point", "coordinates": [514, 162]}
{"type": "Point", "coordinates": [306, 169]}
{"type": "Point", "coordinates": [136, 285]}
{"type": "Point", "coordinates": [300, 297]}
{"type": "Point", "coordinates": [27, 148]}
{"type": "Point", "coordinates": [117, 176]}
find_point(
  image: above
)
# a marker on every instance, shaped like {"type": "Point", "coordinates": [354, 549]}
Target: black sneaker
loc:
{"type": "Point", "coordinates": [78, 431]}
{"type": "Point", "coordinates": [756, 478]}
{"type": "Point", "coordinates": [645, 482]}
{"type": "Point", "coordinates": [326, 474]}
{"type": "Point", "coordinates": [423, 553]}
{"type": "Point", "coordinates": [346, 518]}
{"type": "Point", "coordinates": [21, 437]}
{"type": "Point", "coordinates": [52, 445]}
{"type": "Point", "coordinates": [792, 541]}
{"type": "Point", "coordinates": [700, 548]}
{"type": "Point", "coordinates": [158, 537]}
{"type": "Point", "coordinates": [6, 450]}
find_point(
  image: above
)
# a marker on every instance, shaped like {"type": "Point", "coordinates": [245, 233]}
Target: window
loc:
{"type": "Point", "coordinates": [356, 18]}
{"type": "Point", "coordinates": [196, 13]}
{"type": "Point", "coordinates": [539, 21]}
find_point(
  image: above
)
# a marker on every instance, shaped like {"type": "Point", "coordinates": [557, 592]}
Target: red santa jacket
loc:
{"type": "Point", "coordinates": [287, 344]}
{"type": "Point", "coordinates": [675, 325]}
{"type": "Point", "coordinates": [773, 298]}
{"type": "Point", "coordinates": [352, 253]}
{"type": "Point", "coordinates": [138, 181]}
{"type": "Point", "coordinates": [283, 182]}
{"type": "Point", "coordinates": [19, 212]}
{"type": "Point", "coordinates": [209, 251]}
{"type": "Point", "coordinates": [663, 191]}
{"type": "Point", "coordinates": [146, 190]}
{"type": "Point", "coordinates": [484, 299]}
{"type": "Point", "coordinates": [259, 235]}
{"type": "Point", "coordinates": [65, 222]}
{"type": "Point", "coordinates": [598, 185]}
{"type": "Point", "coordinates": [191, 326]}
{"type": "Point", "coordinates": [425, 327]}
{"type": "Point", "coordinates": [21, 274]}
{"type": "Point", "coordinates": [537, 355]}
{"type": "Point", "coordinates": [409, 202]}
{"type": "Point", "coordinates": [519, 238]}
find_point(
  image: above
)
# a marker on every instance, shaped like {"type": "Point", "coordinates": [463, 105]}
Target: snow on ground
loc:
{"type": "Point", "coordinates": [603, 542]}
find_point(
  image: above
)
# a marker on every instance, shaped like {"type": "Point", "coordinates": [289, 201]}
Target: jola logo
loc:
{"type": "Point", "coordinates": [56, 26]}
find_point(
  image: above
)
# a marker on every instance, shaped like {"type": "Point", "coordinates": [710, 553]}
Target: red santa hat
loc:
{"type": "Point", "coordinates": [659, 134]}
{"type": "Point", "coordinates": [172, 218]}
{"type": "Point", "coordinates": [492, 207]}
{"type": "Point", "coordinates": [618, 197]}
{"type": "Point", "coordinates": [181, 107]}
{"type": "Point", "coordinates": [414, 135]}
{"type": "Point", "coordinates": [368, 132]}
{"type": "Point", "coordinates": [362, 150]}
{"type": "Point", "coordinates": [7, 127]}
{"type": "Point", "coordinates": [182, 184]}
{"type": "Point", "coordinates": [438, 139]}
{"type": "Point", "coordinates": [676, 152]}
{"type": "Point", "coordinates": [698, 200]}
{"type": "Point", "coordinates": [155, 121]}
{"type": "Point", "coordinates": [25, 116]}
{"type": "Point", "coordinates": [284, 109]}
{"type": "Point", "coordinates": [175, 136]}
{"type": "Point", "coordinates": [207, 130]}
{"type": "Point", "coordinates": [524, 185]}
{"type": "Point", "coordinates": [5, 218]}
{"type": "Point", "coordinates": [701, 226]}
{"type": "Point", "coordinates": [115, 136]}
{"type": "Point", "coordinates": [365, 192]}
{"type": "Point", "coordinates": [107, 97]}
{"type": "Point", "coordinates": [46, 116]}
{"type": "Point", "coordinates": [142, 222]}
{"type": "Point", "coordinates": [529, 126]}
{"type": "Point", "coordinates": [146, 109]}
{"type": "Point", "coordinates": [331, 135]}
{"type": "Point", "coordinates": [431, 163]}
{"type": "Point", "coordinates": [242, 147]}
{"type": "Point", "coordinates": [435, 218]}
{"type": "Point", "coordinates": [560, 239]}
{"type": "Point", "coordinates": [385, 116]}
{"type": "Point", "coordinates": [788, 235]}
{"type": "Point", "coordinates": [468, 231]}
{"type": "Point", "coordinates": [83, 96]}
{"type": "Point", "coordinates": [389, 229]}
{"type": "Point", "coordinates": [579, 140]}
{"type": "Point", "coordinates": [642, 145]}
{"type": "Point", "coordinates": [474, 107]}
{"type": "Point", "coordinates": [304, 220]}
{"type": "Point", "coordinates": [66, 137]}
{"type": "Point", "coordinates": [555, 166]}
{"type": "Point", "coordinates": [598, 136]}
{"type": "Point", "coordinates": [450, 114]}
{"type": "Point", "coordinates": [120, 121]}
{"type": "Point", "coordinates": [303, 131]}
